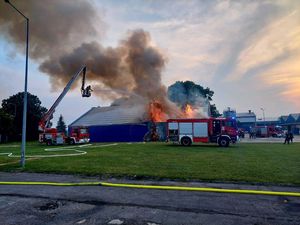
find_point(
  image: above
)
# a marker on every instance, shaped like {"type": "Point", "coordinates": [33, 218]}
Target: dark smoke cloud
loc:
{"type": "Point", "coordinates": [132, 69]}
{"type": "Point", "coordinates": [134, 65]}
{"type": "Point", "coordinates": [55, 25]}
{"type": "Point", "coordinates": [61, 42]}
{"type": "Point", "coordinates": [104, 65]}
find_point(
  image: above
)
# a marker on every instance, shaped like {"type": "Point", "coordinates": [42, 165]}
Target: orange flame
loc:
{"type": "Point", "coordinates": [188, 111]}
{"type": "Point", "coordinates": [156, 112]}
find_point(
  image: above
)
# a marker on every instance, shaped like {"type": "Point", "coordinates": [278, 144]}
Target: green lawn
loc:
{"type": "Point", "coordinates": [263, 163]}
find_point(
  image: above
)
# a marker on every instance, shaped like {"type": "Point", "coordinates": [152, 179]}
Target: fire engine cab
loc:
{"type": "Point", "coordinates": [222, 131]}
{"type": "Point", "coordinates": [79, 135]}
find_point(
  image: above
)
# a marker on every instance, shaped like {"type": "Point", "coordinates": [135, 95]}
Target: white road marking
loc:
{"type": "Point", "coordinates": [9, 146]}
{"type": "Point", "coordinates": [69, 148]}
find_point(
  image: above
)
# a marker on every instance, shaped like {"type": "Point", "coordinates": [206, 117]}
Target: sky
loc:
{"type": "Point", "coordinates": [247, 52]}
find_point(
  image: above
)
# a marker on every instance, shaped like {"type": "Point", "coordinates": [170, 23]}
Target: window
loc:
{"type": "Point", "coordinates": [83, 131]}
{"type": "Point", "coordinates": [230, 124]}
{"type": "Point", "coordinates": [173, 132]}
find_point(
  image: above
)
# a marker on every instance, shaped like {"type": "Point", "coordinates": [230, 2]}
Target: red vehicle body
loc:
{"type": "Point", "coordinates": [78, 135]}
{"type": "Point", "coordinates": [207, 130]}
{"type": "Point", "coordinates": [49, 135]}
{"type": "Point", "coordinates": [269, 131]}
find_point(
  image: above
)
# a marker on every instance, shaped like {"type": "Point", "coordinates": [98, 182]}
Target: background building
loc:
{"type": "Point", "coordinates": [268, 121]}
{"type": "Point", "coordinates": [291, 122]}
{"type": "Point", "coordinates": [246, 120]}
{"type": "Point", "coordinates": [229, 113]}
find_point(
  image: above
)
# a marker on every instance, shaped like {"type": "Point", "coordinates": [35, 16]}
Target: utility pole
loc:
{"type": "Point", "coordinates": [23, 146]}
{"type": "Point", "coordinates": [263, 110]}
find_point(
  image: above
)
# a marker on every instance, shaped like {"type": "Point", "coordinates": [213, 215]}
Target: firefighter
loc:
{"type": "Point", "coordinates": [291, 137]}
{"type": "Point", "coordinates": [287, 138]}
{"type": "Point", "coordinates": [87, 91]}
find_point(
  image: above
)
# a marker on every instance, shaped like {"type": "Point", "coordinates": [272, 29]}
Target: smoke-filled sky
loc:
{"type": "Point", "coordinates": [247, 52]}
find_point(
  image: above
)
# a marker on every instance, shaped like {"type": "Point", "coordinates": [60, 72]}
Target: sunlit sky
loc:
{"type": "Point", "coordinates": [247, 52]}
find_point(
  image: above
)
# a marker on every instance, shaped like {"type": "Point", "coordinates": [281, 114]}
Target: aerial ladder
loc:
{"type": "Point", "coordinates": [50, 135]}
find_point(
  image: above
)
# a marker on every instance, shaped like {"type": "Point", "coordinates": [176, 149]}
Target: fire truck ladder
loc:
{"type": "Point", "coordinates": [85, 92]}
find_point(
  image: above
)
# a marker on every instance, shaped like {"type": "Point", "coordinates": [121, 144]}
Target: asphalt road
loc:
{"type": "Point", "coordinates": [105, 205]}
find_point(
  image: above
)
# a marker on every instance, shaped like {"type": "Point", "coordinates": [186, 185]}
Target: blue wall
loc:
{"type": "Point", "coordinates": [118, 133]}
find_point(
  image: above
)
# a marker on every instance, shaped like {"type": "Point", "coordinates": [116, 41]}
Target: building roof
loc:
{"type": "Point", "coordinates": [111, 115]}
{"type": "Point", "coordinates": [283, 118]}
{"type": "Point", "coordinates": [294, 117]}
{"type": "Point", "coordinates": [268, 119]}
{"type": "Point", "coordinates": [248, 117]}
{"type": "Point", "coordinates": [247, 114]}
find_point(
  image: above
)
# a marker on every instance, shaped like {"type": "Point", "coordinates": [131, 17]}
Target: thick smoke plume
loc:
{"type": "Point", "coordinates": [61, 42]}
{"type": "Point", "coordinates": [132, 70]}
{"type": "Point", "coordinates": [56, 26]}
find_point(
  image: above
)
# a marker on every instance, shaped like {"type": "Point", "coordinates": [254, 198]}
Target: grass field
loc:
{"type": "Point", "coordinates": [255, 163]}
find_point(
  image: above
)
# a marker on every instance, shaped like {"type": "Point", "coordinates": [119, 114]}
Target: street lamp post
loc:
{"type": "Point", "coordinates": [23, 148]}
{"type": "Point", "coordinates": [263, 110]}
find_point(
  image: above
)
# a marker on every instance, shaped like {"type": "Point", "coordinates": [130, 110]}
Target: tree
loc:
{"type": "Point", "coordinates": [61, 125]}
{"type": "Point", "coordinates": [214, 111]}
{"type": "Point", "coordinates": [187, 92]}
{"type": "Point", "coordinates": [6, 125]}
{"type": "Point", "coordinates": [13, 106]}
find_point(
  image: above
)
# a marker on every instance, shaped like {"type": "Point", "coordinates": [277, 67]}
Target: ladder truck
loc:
{"type": "Point", "coordinates": [51, 136]}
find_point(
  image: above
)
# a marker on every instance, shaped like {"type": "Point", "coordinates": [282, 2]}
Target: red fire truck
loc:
{"type": "Point", "coordinates": [49, 135]}
{"type": "Point", "coordinates": [207, 130]}
{"type": "Point", "coordinates": [268, 131]}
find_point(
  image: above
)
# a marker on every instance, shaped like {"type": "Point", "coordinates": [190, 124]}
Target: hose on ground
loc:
{"type": "Point", "coordinates": [159, 187]}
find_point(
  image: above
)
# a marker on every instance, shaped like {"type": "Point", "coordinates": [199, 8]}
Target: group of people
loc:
{"type": "Point", "coordinates": [288, 137]}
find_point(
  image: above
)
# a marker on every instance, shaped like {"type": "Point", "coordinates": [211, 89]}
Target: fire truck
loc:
{"type": "Point", "coordinates": [222, 131]}
{"type": "Point", "coordinates": [51, 136]}
{"type": "Point", "coordinates": [268, 131]}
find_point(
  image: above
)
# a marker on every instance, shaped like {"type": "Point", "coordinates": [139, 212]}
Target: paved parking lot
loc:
{"type": "Point", "coordinates": [266, 140]}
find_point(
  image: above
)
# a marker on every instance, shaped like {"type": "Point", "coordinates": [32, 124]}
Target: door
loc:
{"type": "Point", "coordinates": [200, 130]}
{"type": "Point", "coordinates": [186, 128]}
{"type": "Point", "coordinates": [216, 127]}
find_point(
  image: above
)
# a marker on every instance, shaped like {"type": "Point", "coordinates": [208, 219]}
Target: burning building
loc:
{"type": "Point", "coordinates": [127, 123]}
{"type": "Point", "coordinates": [124, 123]}
{"type": "Point", "coordinates": [113, 124]}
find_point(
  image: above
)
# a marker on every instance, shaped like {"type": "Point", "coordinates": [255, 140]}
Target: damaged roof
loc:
{"type": "Point", "coordinates": [111, 115]}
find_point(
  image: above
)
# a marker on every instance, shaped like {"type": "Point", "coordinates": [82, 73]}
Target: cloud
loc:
{"type": "Point", "coordinates": [281, 37]}
{"type": "Point", "coordinates": [233, 47]}
{"type": "Point", "coordinates": [273, 56]}
{"type": "Point", "coordinates": [285, 74]}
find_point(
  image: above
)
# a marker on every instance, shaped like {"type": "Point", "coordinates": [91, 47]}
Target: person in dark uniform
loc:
{"type": "Point", "coordinates": [291, 137]}
{"type": "Point", "coordinates": [287, 138]}
{"type": "Point", "coordinates": [87, 91]}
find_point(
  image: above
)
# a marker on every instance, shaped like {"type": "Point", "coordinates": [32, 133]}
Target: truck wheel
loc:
{"type": "Point", "coordinates": [223, 142]}
{"type": "Point", "coordinates": [186, 141]}
{"type": "Point", "coordinates": [71, 142]}
{"type": "Point", "coordinates": [48, 142]}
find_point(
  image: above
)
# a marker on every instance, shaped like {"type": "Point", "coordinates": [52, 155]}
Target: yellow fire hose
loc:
{"type": "Point", "coordinates": [160, 187]}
